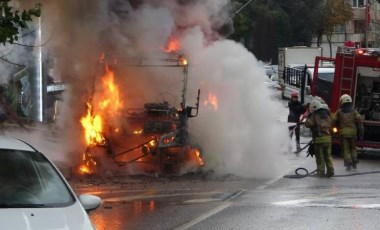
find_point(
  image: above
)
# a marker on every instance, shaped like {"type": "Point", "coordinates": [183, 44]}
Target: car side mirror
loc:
{"type": "Point", "coordinates": [89, 202]}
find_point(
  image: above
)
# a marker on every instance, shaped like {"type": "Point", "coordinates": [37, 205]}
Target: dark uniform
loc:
{"type": "Point", "coordinates": [296, 109]}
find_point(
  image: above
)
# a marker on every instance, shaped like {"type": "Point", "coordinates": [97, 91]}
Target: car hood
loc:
{"type": "Point", "coordinates": [68, 218]}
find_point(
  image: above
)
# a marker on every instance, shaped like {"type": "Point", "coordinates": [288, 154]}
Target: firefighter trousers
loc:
{"type": "Point", "coordinates": [349, 150]}
{"type": "Point", "coordinates": [323, 159]}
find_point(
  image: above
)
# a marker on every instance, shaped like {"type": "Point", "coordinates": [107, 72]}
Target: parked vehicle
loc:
{"type": "Point", "coordinates": [296, 56]}
{"type": "Point", "coordinates": [356, 74]}
{"type": "Point", "coordinates": [299, 79]}
{"type": "Point", "coordinates": [34, 195]}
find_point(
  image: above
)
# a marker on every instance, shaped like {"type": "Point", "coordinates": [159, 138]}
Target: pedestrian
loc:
{"type": "Point", "coordinates": [350, 126]}
{"type": "Point", "coordinates": [319, 123]}
{"type": "Point", "coordinates": [296, 109]}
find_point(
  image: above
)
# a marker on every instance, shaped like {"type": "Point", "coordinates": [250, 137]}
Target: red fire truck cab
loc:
{"type": "Point", "coordinates": [357, 73]}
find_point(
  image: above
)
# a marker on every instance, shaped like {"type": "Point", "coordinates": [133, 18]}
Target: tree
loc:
{"type": "Point", "coordinates": [303, 17]}
{"type": "Point", "coordinates": [334, 12]}
{"type": "Point", "coordinates": [263, 27]}
{"type": "Point", "coordinates": [269, 24]}
{"type": "Point", "coordinates": [12, 20]}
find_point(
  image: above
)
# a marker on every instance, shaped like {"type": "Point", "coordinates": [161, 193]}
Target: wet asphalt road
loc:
{"type": "Point", "coordinates": [342, 202]}
{"type": "Point", "coordinates": [204, 201]}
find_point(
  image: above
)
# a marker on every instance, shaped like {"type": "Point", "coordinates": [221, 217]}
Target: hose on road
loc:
{"type": "Point", "coordinates": [312, 174]}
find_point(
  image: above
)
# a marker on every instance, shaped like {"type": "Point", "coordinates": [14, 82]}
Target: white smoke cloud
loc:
{"type": "Point", "coordinates": [242, 137]}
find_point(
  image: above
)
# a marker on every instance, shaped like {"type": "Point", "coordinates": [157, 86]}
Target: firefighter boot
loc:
{"type": "Point", "coordinates": [348, 166]}
{"type": "Point", "coordinates": [354, 164]}
{"type": "Point", "coordinates": [298, 147]}
{"type": "Point", "coordinates": [330, 173]}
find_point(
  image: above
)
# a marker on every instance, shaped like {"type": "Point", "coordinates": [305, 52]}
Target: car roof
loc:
{"type": "Point", "coordinates": [323, 70]}
{"type": "Point", "coordinates": [13, 143]}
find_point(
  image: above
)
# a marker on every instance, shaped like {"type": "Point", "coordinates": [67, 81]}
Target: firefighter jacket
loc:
{"type": "Point", "coordinates": [349, 122]}
{"type": "Point", "coordinates": [319, 122]}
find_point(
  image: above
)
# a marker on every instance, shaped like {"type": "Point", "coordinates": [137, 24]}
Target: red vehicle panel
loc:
{"type": "Point", "coordinates": [357, 73]}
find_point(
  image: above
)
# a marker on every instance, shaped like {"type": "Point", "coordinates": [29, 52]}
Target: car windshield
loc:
{"type": "Point", "coordinates": [27, 179]}
{"type": "Point", "coordinates": [326, 76]}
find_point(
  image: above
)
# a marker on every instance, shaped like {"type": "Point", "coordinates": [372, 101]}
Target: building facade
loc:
{"type": "Point", "coordinates": [363, 29]}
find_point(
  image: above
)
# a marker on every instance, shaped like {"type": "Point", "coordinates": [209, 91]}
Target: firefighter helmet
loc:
{"type": "Point", "coordinates": [315, 105]}
{"type": "Point", "coordinates": [294, 94]}
{"type": "Point", "coordinates": [345, 98]}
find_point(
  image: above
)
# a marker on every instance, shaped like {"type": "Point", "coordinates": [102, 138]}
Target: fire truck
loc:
{"type": "Point", "coordinates": [357, 73]}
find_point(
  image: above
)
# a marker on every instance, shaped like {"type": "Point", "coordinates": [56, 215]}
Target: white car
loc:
{"type": "Point", "coordinates": [34, 195]}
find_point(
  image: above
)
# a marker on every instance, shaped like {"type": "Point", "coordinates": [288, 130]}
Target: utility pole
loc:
{"type": "Point", "coordinates": [376, 25]}
{"type": "Point", "coordinates": [241, 8]}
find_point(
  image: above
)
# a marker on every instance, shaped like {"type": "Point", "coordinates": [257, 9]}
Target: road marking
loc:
{"type": "Point", "coordinates": [307, 199]}
{"type": "Point", "coordinates": [266, 184]}
{"type": "Point", "coordinates": [204, 216]}
{"type": "Point", "coordinates": [314, 201]}
{"type": "Point", "coordinates": [307, 204]}
{"type": "Point", "coordinates": [291, 202]}
{"type": "Point", "coordinates": [214, 211]}
{"type": "Point", "coordinates": [204, 200]}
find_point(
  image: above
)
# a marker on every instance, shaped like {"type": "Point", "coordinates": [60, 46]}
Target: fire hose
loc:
{"type": "Point", "coordinates": [310, 152]}
{"type": "Point", "coordinates": [306, 173]}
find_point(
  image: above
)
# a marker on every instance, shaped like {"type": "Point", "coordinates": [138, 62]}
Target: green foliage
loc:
{"type": "Point", "coordinates": [269, 24]}
{"type": "Point", "coordinates": [336, 12]}
{"type": "Point", "coordinates": [242, 21]}
{"type": "Point", "coordinates": [11, 20]}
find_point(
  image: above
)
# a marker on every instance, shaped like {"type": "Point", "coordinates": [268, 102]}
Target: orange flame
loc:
{"type": "Point", "coordinates": [84, 169]}
{"type": "Point", "coordinates": [212, 101]}
{"type": "Point", "coordinates": [106, 109]}
{"type": "Point", "coordinates": [199, 158]}
{"type": "Point", "coordinates": [92, 125]}
{"type": "Point", "coordinates": [172, 45]}
{"type": "Point", "coordinates": [183, 61]}
{"type": "Point", "coordinates": [111, 101]}
{"type": "Point", "coordinates": [89, 164]}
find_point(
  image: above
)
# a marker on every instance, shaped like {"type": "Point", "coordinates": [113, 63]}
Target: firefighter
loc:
{"type": "Point", "coordinates": [350, 124]}
{"type": "Point", "coordinates": [319, 123]}
{"type": "Point", "coordinates": [296, 109]}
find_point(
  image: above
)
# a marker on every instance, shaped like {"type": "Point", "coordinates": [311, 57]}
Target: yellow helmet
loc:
{"type": "Point", "coordinates": [315, 105]}
{"type": "Point", "coordinates": [345, 98]}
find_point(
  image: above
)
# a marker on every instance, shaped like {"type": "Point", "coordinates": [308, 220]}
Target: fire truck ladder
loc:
{"type": "Point", "coordinates": [348, 65]}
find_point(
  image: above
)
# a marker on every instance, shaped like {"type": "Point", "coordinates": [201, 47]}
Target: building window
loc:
{"type": "Point", "coordinates": [358, 3]}
{"type": "Point", "coordinates": [359, 26]}
{"type": "Point", "coordinates": [341, 28]}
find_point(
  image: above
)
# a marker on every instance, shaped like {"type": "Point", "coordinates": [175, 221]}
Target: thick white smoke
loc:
{"type": "Point", "coordinates": [243, 136]}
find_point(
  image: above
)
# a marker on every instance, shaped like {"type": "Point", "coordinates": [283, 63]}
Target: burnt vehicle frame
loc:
{"type": "Point", "coordinates": [164, 129]}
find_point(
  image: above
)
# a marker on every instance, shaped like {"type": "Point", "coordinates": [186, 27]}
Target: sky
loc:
{"type": "Point", "coordinates": [239, 126]}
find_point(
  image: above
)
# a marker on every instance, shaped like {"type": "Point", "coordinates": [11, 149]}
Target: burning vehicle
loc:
{"type": "Point", "coordinates": [156, 134]}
